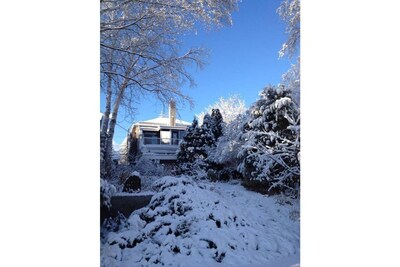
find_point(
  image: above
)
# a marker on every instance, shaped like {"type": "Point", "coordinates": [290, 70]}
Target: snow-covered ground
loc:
{"type": "Point", "coordinates": [194, 223]}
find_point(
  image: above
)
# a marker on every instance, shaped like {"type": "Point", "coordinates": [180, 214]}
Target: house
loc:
{"type": "Point", "coordinates": [157, 139]}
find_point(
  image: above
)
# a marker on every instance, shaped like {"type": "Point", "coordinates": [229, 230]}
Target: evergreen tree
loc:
{"type": "Point", "coordinates": [272, 145]}
{"type": "Point", "coordinates": [211, 131]}
{"type": "Point", "coordinates": [185, 152]}
{"type": "Point", "coordinates": [190, 150]}
{"type": "Point", "coordinates": [217, 123]}
{"type": "Point", "coordinates": [195, 146]}
{"type": "Point", "coordinates": [206, 134]}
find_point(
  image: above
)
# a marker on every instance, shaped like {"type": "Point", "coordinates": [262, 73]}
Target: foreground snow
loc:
{"type": "Point", "coordinates": [190, 223]}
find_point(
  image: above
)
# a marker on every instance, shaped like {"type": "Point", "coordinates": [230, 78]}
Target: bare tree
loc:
{"type": "Point", "coordinates": [141, 53]}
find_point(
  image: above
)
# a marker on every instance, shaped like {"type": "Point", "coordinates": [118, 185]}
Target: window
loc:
{"type": "Point", "coordinates": [165, 137]}
{"type": "Point", "coordinates": [175, 137]}
{"type": "Point", "coordinates": [182, 134]}
{"type": "Point", "coordinates": [151, 138]}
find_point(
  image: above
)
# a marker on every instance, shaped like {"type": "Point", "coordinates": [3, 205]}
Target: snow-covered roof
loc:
{"type": "Point", "coordinates": [164, 121]}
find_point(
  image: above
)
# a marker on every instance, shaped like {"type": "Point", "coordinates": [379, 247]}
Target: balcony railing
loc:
{"type": "Point", "coordinates": [160, 141]}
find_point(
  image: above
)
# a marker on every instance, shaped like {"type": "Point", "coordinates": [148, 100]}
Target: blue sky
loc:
{"type": "Point", "coordinates": [243, 59]}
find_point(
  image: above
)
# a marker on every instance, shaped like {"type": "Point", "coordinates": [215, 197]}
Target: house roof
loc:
{"type": "Point", "coordinates": [164, 121]}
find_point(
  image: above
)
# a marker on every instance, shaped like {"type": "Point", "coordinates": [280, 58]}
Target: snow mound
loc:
{"type": "Point", "coordinates": [191, 224]}
{"type": "Point", "coordinates": [135, 173]}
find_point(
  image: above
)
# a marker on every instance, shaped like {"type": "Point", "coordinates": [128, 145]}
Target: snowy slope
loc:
{"type": "Point", "coordinates": [190, 223]}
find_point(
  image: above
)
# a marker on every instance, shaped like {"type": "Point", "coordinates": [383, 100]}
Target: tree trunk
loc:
{"type": "Point", "coordinates": [107, 111]}
{"type": "Point", "coordinates": [103, 132]}
{"type": "Point", "coordinates": [111, 128]}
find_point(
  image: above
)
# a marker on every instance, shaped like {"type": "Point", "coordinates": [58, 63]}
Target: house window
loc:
{"type": "Point", "coordinates": [182, 134]}
{"type": "Point", "coordinates": [151, 138]}
{"type": "Point", "coordinates": [165, 137]}
{"type": "Point", "coordinates": [175, 137]}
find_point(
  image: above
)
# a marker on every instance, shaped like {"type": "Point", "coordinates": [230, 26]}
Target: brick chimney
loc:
{"type": "Point", "coordinates": [172, 113]}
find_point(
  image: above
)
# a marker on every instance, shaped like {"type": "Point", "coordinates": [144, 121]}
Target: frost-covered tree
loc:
{"type": "Point", "coordinates": [191, 150]}
{"type": "Point", "coordinates": [229, 108]}
{"type": "Point", "coordinates": [234, 115]}
{"type": "Point", "coordinates": [141, 52]}
{"type": "Point", "coordinates": [207, 130]}
{"type": "Point", "coordinates": [223, 157]}
{"type": "Point", "coordinates": [107, 190]}
{"type": "Point", "coordinates": [229, 144]}
{"type": "Point", "coordinates": [270, 153]}
{"type": "Point", "coordinates": [195, 146]}
{"type": "Point", "coordinates": [289, 11]}
{"type": "Point", "coordinates": [291, 80]}
{"type": "Point", "coordinates": [211, 130]}
{"type": "Point", "coordinates": [186, 152]}
{"type": "Point", "coordinates": [217, 124]}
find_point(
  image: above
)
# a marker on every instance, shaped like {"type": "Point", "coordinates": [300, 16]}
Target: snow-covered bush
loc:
{"type": "Point", "coordinates": [190, 224]}
{"type": "Point", "coordinates": [196, 169]}
{"type": "Point", "coordinates": [294, 214]}
{"type": "Point", "coordinates": [270, 153]}
{"type": "Point", "coordinates": [224, 174]}
{"type": "Point", "coordinates": [148, 167]}
{"type": "Point", "coordinates": [112, 225]}
{"type": "Point", "coordinates": [107, 190]}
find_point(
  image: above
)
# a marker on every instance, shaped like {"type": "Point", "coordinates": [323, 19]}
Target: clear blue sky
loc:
{"type": "Point", "coordinates": [243, 59]}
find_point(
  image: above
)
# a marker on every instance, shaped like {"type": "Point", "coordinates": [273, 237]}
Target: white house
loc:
{"type": "Point", "coordinates": [158, 138]}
